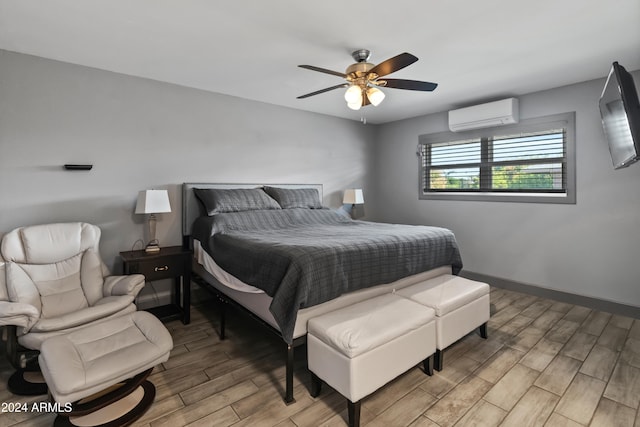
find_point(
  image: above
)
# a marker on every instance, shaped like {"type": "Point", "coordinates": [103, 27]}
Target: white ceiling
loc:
{"type": "Point", "coordinates": [476, 50]}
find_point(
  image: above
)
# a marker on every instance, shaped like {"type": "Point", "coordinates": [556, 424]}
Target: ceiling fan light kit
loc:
{"type": "Point", "coordinates": [363, 79]}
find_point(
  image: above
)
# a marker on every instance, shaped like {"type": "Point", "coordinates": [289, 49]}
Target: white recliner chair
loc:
{"type": "Point", "coordinates": [53, 282]}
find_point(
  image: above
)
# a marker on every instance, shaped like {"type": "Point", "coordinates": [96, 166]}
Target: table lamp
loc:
{"type": "Point", "coordinates": [152, 202]}
{"type": "Point", "coordinates": [353, 197]}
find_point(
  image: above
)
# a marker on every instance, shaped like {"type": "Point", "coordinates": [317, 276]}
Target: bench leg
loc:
{"type": "Point", "coordinates": [428, 365]}
{"type": "Point", "coordinates": [354, 413]}
{"type": "Point", "coordinates": [483, 330]}
{"type": "Point", "coordinates": [316, 385]}
{"type": "Point", "coordinates": [439, 356]}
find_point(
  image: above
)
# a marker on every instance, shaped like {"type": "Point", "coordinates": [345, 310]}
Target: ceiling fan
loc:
{"type": "Point", "coordinates": [364, 78]}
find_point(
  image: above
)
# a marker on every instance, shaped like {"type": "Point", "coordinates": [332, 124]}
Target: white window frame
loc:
{"type": "Point", "coordinates": [564, 121]}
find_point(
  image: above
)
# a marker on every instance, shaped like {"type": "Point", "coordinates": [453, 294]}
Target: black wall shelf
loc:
{"type": "Point", "coordinates": [78, 167]}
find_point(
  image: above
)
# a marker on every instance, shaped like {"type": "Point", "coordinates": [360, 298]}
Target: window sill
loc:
{"type": "Point", "coordinates": [561, 198]}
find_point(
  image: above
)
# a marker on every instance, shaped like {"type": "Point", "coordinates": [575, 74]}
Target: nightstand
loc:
{"type": "Point", "coordinates": [172, 262]}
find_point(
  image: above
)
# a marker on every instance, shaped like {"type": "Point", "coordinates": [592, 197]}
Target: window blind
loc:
{"type": "Point", "coordinates": [523, 162]}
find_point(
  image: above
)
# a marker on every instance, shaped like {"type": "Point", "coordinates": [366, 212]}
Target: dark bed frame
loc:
{"type": "Point", "coordinates": [191, 209]}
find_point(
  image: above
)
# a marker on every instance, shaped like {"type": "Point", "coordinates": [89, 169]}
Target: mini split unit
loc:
{"type": "Point", "coordinates": [491, 114]}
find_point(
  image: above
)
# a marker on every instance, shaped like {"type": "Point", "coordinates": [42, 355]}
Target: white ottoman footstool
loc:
{"type": "Point", "coordinates": [461, 305]}
{"type": "Point", "coordinates": [360, 348]}
{"type": "Point", "coordinates": [98, 374]}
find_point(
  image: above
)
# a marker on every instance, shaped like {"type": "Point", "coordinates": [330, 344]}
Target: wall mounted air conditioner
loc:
{"type": "Point", "coordinates": [491, 114]}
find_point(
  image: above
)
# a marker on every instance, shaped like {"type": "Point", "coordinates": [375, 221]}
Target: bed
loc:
{"type": "Point", "coordinates": [281, 256]}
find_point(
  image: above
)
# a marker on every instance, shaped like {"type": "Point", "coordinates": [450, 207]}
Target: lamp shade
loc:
{"type": "Point", "coordinates": [153, 201]}
{"type": "Point", "coordinates": [375, 96]}
{"type": "Point", "coordinates": [353, 196]}
{"type": "Point", "coordinates": [353, 94]}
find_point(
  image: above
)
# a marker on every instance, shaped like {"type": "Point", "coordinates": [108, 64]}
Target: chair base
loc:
{"type": "Point", "coordinates": [26, 382]}
{"type": "Point", "coordinates": [121, 412]}
{"type": "Point", "coordinates": [108, 396]}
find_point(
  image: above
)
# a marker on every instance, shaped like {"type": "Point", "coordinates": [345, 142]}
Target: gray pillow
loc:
{"type": "Point", "coordinates": [217, 200]}
{"type": "Point", "coordinates": [289, 198]}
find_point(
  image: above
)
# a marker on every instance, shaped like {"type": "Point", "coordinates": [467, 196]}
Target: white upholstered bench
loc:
{"type": "Point", "coordinates": [461, 305]}
{"type": "Point", "coordinates": [360, 348]}
{"type": "Point", "coordinates": [97, 374]}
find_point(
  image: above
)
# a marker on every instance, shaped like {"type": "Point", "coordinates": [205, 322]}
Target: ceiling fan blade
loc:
{"type": "Point", "coordinates": [394, 64]}
{"type": "Point", "coordinates": [410, 85]}
{"type": "Point", "coordinates": [323, 90]}
{"type": "Point", "coordinates": [323, 70]}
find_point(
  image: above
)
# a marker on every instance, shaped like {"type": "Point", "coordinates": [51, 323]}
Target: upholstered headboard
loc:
{"type": "Point", "coordinates": [192, 208]}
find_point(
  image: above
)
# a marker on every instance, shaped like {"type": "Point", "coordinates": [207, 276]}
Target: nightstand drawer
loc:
{"type": "Point", "coordinates": [159, 268]}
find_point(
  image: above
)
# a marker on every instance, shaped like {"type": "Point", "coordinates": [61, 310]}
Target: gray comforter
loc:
{"type": "Point", "coordinates": [304, 257]}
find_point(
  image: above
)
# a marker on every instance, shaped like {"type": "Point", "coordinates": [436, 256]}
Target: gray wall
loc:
{"type": "Point", "coordinates": [591, 248]}
{"type": "Point", "coordinates": [142, 134]}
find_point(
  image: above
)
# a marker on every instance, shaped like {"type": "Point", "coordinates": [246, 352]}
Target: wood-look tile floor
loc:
{"type": "Point", "coordinates": [545, 363]}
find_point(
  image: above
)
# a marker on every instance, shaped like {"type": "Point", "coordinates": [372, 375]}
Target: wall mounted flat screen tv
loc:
{"type": "Point", "coordinates": [620, 111]}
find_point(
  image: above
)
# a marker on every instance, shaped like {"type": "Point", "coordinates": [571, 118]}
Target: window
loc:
{"type": "Point", "coordinates": [532, 161]}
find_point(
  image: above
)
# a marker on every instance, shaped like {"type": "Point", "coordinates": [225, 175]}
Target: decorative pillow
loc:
{"type": "Point", "coordinates": [217, 200]}
{"type": "Point", "coordinates": [289, 198]}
